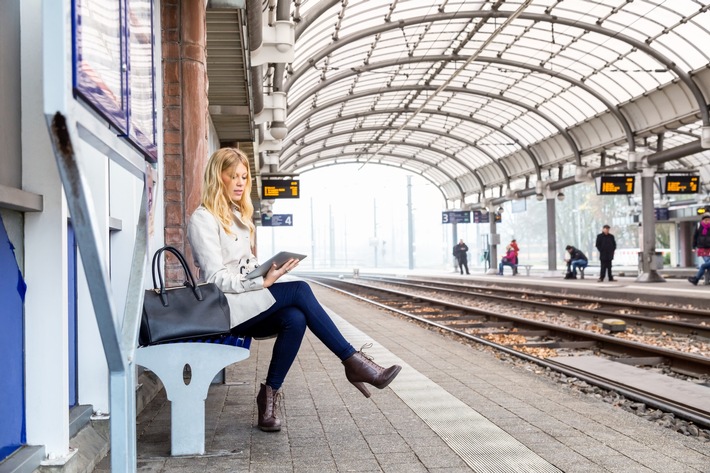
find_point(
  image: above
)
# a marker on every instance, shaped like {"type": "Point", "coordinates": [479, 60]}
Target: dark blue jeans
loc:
{"type": "Point", "coordinates": [704, 266]}
{"type": "Point", "coordinates": [296, 308]}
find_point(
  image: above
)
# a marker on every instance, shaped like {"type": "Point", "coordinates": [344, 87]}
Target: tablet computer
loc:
{"type": "Point", "coordinates": [279, 259]}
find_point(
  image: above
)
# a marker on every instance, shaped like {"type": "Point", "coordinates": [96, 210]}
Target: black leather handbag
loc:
{"type": "Point", "coordinates": [190, 311]}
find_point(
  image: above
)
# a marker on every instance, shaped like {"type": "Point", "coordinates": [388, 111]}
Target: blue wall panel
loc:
{"type": "Point", "coordinates": [12, 381]}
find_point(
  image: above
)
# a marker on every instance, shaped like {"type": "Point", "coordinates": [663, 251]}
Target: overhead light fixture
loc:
{"type": "Point", "coordinates": [539, 197]}
{"type": "Point", "coordinates": [560, 196]}
{"type": "Point", "coordinates": [278, 130]}
{"type": "Point", "coordinates": [500, 210]}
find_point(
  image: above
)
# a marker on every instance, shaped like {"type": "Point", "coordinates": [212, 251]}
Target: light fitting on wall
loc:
{"type": "Point", "coordinates": [278, 130]}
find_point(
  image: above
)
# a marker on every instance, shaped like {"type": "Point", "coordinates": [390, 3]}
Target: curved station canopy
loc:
{"type": "Point", "coordinates": [492, 100]}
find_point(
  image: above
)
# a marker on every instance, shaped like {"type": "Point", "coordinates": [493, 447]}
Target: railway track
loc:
{"type": "Point", "coordinates": [546, 344]}
{"type": "Point", "coordinates": [681, 320]}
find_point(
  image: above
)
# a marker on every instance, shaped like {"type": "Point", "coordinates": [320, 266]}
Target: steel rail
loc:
{"type": "Point", "coordinates": [572, 297]}
{"type": "Point", "coordinates": [703, 330]}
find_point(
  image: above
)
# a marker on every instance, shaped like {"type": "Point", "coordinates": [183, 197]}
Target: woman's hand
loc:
{"type": "Point", "coordinates": [274, 274]}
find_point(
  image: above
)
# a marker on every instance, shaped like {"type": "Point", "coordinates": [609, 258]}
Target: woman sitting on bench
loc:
{"type": "Point", "coordinates": [508, 260]}
{"type": "Point", "coordinates": [222, 236]}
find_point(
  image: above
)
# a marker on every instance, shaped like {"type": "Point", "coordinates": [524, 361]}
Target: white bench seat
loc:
{"type": "Point", "coordinates": [205, 359]}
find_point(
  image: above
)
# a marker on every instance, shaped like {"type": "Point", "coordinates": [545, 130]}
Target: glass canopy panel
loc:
{"type": "Point", "coordinates": [530, 93]}
{"type": "Point", "coordinates": [691, 43]}
{"type": "Point", "coordinates": [608, 65]}
{"type": "Point", "coordinates": [531, 128]}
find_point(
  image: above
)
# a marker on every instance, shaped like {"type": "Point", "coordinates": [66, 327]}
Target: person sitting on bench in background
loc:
{"type": "Point", "coordinates": [508, 260]}
{"type": "Point", "coordinates": [514, 245]}
{"type": "Point", "coordinates": [577, 259]}
{"type": "Point", "coordinates": [222, 236]}
{"type": "Point", "coordinates": [701, 246]}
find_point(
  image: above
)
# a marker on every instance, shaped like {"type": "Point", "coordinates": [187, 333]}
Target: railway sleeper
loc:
{"type": "Point", "coordinates": [689, 369]}
{"type": "Point", "coordinates": [576, 344]}
{"type": "Point", "coordinates": [494, 325]}
{"type": "Point", "coordinates": [642, 360]}
{"type": "Point", "coordinates": [531, 333]}
{"type": "Point", "coordinates": [459, 318]}
{"type": "Point", "coordinates": [538, 344]}
{"type": "Point", "coordinates": [676, 366]}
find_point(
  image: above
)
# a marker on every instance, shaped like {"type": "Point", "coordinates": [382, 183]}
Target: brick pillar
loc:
{"type": "Point", "coordinates": [185, 123]}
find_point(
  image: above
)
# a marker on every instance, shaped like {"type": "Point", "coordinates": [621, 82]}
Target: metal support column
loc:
{"type": "Point", "coordinates": [551, 235]}
{"type": "Point", "coordinates": [649, 273]}
{"type": "Point", "coordinates": [455, 239]}
{"type": "Point", "coordinates": [494, 241]}
{"type": "Point", "coordinates": [410, 223]}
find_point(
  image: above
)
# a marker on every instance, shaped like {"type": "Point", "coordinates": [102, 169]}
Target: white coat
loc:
{"type": "Point", "coordinates": [225, 259]}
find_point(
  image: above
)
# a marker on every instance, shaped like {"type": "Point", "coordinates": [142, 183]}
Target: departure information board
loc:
{"type": "Point", "coordinates": [680, 183]}
{"type": "Point", "coordinates": [280, 189]}
{"type": "Point", "coordinates": [615, 185]}
{"type": "Point", "coordinates": [480, 217]}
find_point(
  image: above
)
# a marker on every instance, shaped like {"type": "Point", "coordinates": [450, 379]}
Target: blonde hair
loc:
{"type": "Point", "coordinates": [214, 193]}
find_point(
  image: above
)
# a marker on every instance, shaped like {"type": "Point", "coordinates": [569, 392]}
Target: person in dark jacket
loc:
{"type": "Point", "coordinates": [701, 246]}
{"type": "Point", "coordinates": [606, 244]}
{"type": "Point", "coordinates": [460, 252]}
{"type": "Point", "coordinates": [576, 259]}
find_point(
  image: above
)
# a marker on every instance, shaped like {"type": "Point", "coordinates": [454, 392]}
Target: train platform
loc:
{"type": "Point", "coordinates": [453, 408]}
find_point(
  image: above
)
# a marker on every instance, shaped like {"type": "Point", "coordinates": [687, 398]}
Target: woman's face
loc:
{"type": "Point", "coordinates": [235, 181]}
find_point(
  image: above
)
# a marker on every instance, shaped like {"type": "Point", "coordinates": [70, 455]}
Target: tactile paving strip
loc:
{"type": "Point", "coordinates": [484, 446]}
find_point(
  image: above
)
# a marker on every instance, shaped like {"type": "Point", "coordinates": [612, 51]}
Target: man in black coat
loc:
{"type": "Point", "coordinates": [606, 244]}
{"type": "Point", "coordinates": [460, 251]}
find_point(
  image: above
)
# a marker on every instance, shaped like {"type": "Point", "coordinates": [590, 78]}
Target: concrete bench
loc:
{"type": "Point", "coordinates": [205, 360]}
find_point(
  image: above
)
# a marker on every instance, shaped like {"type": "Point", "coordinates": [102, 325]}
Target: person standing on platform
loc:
{"type": "Point", "coordinates": [461, 254]}
{"type": "Point", "coordinates": [606, 244]}
{"type": "Point", "coordinates": [514, 245]}
{"type": "Point", "coordinates": [701, 246]}
{"type": "Point", "coordinates": [222, 236]}
{"type": "Point", "coordinates": [577, 259]}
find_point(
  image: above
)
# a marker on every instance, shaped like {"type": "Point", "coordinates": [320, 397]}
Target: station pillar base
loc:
{"type": "Point", "coordinates": [651, 276]}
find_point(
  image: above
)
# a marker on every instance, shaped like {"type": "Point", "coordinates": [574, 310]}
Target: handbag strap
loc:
{"type": "Point", "coordinates": [190, 279]}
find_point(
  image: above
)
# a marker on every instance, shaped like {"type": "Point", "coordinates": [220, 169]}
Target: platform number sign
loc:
{"type": "Point", "coordinates": [277, 220]}
{"type": "Point", "coordinates": [680, 184]}
{"type": "Point", "coordinates": [456, 216]}
{"type": "Point", "coordinates": [615, 185]}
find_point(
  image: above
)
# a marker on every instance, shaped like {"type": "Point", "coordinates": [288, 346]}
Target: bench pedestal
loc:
{"type": "Point", "coordinates": [187, 426]}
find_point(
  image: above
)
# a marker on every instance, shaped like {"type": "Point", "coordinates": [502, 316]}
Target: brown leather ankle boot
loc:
{"type": "Point", "coordinates": [267, 401]}
{"type": "Point", "coordinates": [360, 369]}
